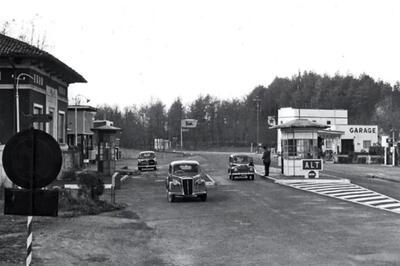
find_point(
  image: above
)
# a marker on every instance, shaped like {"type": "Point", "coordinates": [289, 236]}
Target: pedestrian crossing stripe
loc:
{"type": "Point", "coordinates": [350, 192]}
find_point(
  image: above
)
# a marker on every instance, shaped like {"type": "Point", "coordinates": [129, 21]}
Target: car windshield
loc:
{"type": "Point", "coordinates": [191, 169]}
{"type": "Point", "coordinates": [242, 159]}
{"type": "Point", "coordinates": [146, 155]}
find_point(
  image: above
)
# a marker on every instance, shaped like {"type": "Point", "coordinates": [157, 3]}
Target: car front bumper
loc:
{"type": "Point", "coordinates": [241, 173]}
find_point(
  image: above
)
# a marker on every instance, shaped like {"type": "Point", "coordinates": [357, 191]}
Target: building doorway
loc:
{"type": "Point", "coordinates": [347, 146]}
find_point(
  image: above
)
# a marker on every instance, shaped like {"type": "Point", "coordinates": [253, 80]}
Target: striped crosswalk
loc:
{"type": "Point", "coordinates": [350, 192]}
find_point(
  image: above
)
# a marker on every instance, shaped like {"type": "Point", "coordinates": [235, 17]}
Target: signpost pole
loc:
{"type": "Point", "coordinates": [181, 138]}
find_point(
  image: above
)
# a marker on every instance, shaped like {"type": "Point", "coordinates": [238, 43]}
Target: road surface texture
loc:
{"type": "Point", "coordinates": [241, 223]}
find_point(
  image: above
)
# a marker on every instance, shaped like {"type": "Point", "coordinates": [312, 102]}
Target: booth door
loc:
{"type": "Point", "coordinates": [347, 146]}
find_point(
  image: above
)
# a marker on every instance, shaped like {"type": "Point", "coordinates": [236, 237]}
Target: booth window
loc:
{"type": "Point", "coordinates": [299, 148]}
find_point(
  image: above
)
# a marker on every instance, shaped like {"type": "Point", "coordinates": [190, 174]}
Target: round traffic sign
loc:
{"type": "Point", "coordinates": [312, 174]}
{"type": "Point", "coordinates": [32, 158]}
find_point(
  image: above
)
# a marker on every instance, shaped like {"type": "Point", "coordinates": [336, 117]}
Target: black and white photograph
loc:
{"type": "Point", "coordinates": [191, 133]}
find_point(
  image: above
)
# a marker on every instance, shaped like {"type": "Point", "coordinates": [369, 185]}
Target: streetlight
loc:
{"type": "Point", "coordinates": [257, 100]}
{"type": "Point", "coordinates": [20, 75]}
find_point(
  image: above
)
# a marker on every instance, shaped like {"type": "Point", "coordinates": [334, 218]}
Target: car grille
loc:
{"type": "Point", "coordinates": [187, 186]}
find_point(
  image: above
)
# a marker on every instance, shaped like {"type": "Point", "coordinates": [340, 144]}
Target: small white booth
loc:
{"type": "Point", "coordinates": [299, 142]}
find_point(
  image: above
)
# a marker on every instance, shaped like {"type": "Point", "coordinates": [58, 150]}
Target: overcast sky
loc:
{"type": "Point", "coordinates": [132, 51]}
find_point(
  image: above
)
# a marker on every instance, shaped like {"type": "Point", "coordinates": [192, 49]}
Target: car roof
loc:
{"type": "Point", "coordinates": [146, 152]}
{"type": "Point", "coordinates": [184, 162]}
{"type": "Point", "coordinates": [239, 154]}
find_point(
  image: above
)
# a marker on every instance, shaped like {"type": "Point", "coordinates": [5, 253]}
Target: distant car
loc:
{"type": "Point", "coordinates": [240, 165]}
{"type": "Point", "coordinates": [185, 180]}
{"type": "Point", "coordinates": [147, 160]}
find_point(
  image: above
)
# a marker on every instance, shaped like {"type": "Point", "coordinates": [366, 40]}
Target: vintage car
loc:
{"type": "Point", "coordinates": [241, 165]}
{"type": "Point", "coordinates": [185, 179]}
{"type": "Point", "coordinates": [147, 160]}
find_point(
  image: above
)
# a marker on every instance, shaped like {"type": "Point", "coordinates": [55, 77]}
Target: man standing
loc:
{"type": "Point", "coordinates": [266, 160]}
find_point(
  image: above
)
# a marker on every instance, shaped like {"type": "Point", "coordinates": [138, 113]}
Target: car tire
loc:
{"type": "Point", "coordinates": [155, 168]}
{"type": "Point", "coordinates": [203, 197]}
{"type": "Point", "coordinates": [232, 178]}
{"type": "Point", "coordinates": [170, 197]}
{"type": "Point", "coordinates": [252, 177]}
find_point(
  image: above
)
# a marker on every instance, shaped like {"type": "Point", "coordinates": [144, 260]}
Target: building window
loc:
{"type": "Point", "coordinates": [37, 109]}
{"type": "Point", "coordinates": [328, 122]}
{"type": "Point", "coordinates": [366, 144]}
{"type": "Point", "coordinates": [51, 122]}
{"type": "Point", "coordinates": [61, 127]}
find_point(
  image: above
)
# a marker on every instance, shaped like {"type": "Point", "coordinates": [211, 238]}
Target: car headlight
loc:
{"type": "Point", "coordinates": [235, 169]}
{"type": "Point", "coordinates": [175, 182]}
{"type": "Point", "coordinates": [200, 181]}
{"type": "Point", "coordinates": [251, 168]}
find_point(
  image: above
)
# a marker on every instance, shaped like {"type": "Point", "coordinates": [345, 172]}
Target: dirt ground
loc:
{"type": "Point", "coordinates": [84, 240]}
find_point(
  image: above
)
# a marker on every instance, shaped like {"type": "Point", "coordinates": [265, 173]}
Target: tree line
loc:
{"type": "Point", "coordinates": [227, 123]}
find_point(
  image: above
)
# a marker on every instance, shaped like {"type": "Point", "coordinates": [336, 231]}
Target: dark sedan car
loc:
{"type": "Point", "coordinates": [185, 180]}
{"type": "Point", "coordinates": [147, 160]}
{"type": "Point", "coordinates": [240, 165]}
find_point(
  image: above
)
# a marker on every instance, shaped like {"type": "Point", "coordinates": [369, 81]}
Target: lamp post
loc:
{"type": "Point", "coordinates": [20, 76]}
{"type": "Point", "coordinates": [257, 100]}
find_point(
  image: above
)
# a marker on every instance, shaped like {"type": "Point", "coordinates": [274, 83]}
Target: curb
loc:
{"type": "Point", "coordinates": [210, 183]}
{"type": "Point", "coordinates": [316, 180]}
{"type": "Point", "coordinates": [380, 176]}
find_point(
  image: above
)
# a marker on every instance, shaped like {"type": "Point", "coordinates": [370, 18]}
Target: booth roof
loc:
{"type": "Point", "coordinates": [300, 123]}
{"type": "Point", "coordinates": [106, 128]}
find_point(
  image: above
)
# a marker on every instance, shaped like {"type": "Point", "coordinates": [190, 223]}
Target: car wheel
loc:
{"type": "Point", "coordinates": [170, 197]}
{"type": "Point", "coordinates": [155, 168]}
{"type": "Point", "coordinates": [252, 177]}
{"type": "Point", "coordinates": [203, 197]}
{"type": "Point", "coordinates": [233, 178]}
{"type": "Point", "coordinates": [249, 177]}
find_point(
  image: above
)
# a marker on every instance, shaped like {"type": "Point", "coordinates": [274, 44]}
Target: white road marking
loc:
{"type": "Point", "coordinates": [350, 192]}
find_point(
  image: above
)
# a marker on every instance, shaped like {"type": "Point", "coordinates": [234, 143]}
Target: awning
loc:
{"type": "Point", "coordinates": [330, 133]}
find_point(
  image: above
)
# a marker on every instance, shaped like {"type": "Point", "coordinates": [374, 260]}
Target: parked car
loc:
{"type": "Point", "coordinates": [147, 160]}
{"type": "Point", "coordinates": [185, 179]}
{"type": "Point", "coordinates": [240, 165]}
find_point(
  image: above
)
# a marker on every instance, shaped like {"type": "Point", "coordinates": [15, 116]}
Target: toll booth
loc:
{"type": "Point", "coordinates": [106, 148]}
{"type": "Point", "coordinates": [300, 155]}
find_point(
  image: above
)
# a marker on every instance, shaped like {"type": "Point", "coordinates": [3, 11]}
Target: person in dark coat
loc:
{"type": "Point", "coordinates": [266, 160]}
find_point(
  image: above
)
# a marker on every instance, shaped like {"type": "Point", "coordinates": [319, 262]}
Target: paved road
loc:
{"type": "Point", "coordinates": [241, 223]}
{"type": "Point", "coordinates": [260, 223]}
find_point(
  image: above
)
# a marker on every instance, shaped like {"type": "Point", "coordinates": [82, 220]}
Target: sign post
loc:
{"type": "Point", "coordinates": [312, 167]}
{"type": "Point", "coordinates": [185, 125]}
{"type": "Point", "coordinates": [31, 159]}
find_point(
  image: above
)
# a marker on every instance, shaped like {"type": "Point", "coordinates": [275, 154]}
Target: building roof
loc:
{"type": "Point", "coordinates": [300, 123]}
{"type": "Point", "coordinates": [13, 48]}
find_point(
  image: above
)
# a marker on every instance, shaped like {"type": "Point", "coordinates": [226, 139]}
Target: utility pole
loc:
{"type": "Point", "coordinates": [257, 100]}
